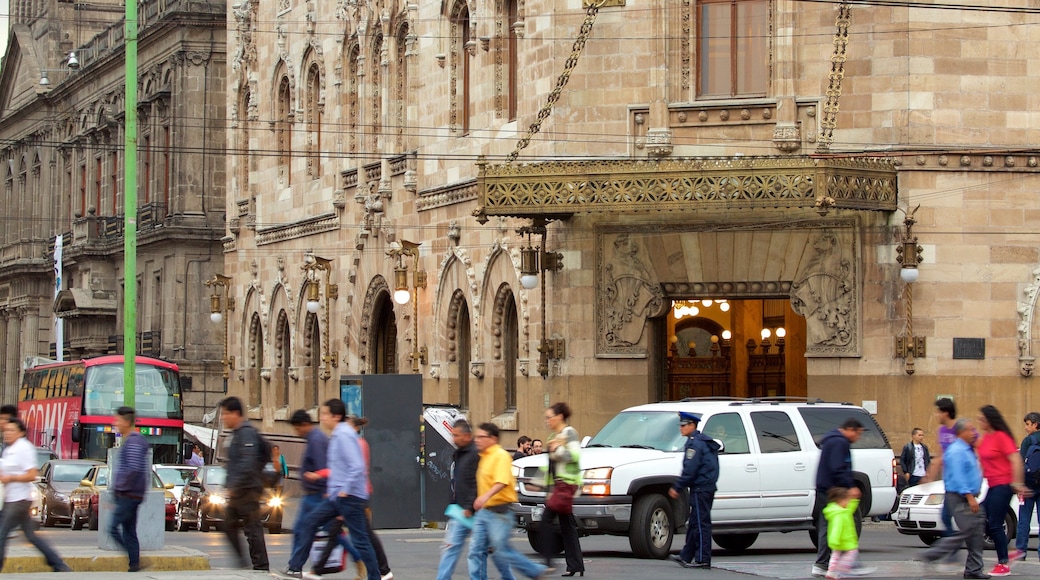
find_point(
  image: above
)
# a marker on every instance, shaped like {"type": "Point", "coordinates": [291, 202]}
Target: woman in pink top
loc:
{"type": "Point", "coordinates": [1002, 468]}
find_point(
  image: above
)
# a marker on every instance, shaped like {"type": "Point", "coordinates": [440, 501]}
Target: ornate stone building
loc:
{"type": "Point", "coordinates": [761, 161]}
{"type": "Point", "coordinates": [62, 121]}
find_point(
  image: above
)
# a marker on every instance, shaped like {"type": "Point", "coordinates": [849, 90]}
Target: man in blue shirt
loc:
{"type": "Point", "coordinates": [962, 478]}
{"type": "Point", "coordinates": [314, 460]}
{"type": "Point", "coordinates": [346, 487]}
{"type": "Point", "coordinates": [129, 483]}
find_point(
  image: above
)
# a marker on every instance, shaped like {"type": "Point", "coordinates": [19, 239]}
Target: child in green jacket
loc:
{"type": "Point", "coordinates": [841, 530]}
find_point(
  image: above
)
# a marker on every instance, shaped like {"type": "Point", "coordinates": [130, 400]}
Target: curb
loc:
{"type": "Point", "coordinates": [25, 564]}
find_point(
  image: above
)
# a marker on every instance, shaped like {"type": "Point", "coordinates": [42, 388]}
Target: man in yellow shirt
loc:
{"type": "Point", "coordinates": [493, 521]}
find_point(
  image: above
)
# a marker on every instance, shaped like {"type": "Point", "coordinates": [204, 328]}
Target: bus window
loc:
{"type": "Point", "coordinates": [157, 391]}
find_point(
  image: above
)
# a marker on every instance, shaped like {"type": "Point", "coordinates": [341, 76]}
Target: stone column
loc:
{"type": "Point", "coordinates": [13, 358]}
{"type": "Point", "coordinates": [31, 331]}
{"type": "Point", "coordinates": [3, 355]}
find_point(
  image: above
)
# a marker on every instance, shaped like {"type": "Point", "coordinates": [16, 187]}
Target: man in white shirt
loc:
{"type": "Point", "coordinates": [17, 472]}
{"type": "Point", "coordinates": [915, 458]}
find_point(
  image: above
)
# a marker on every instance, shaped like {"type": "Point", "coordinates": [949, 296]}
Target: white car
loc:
{"type": "Point", "coordinates": [920, 513]}
{"type": "Point", "coordinates": [767, 472]}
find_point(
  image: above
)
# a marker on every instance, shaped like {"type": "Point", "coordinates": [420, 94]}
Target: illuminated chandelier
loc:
{"type": "Point", "coordinates": [682, 308]}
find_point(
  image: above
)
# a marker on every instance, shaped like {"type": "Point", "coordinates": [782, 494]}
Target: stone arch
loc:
{"type": "Point", "coordinates": [282, 359]}
{"type": "Point", "coordinates": [503, 265]}
{"type": "Point", "coordinates": [378, 291]}
{"type": "Point", "coordinates": [457, 280]}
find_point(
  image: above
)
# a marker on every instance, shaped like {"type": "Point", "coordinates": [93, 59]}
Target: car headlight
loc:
{"type": "Point", "coordinates": [596, 481]}
{"type": "Point", "coordinates": [34, 493]}
{"type": "Point", "coordinates": [217, 500]}
{"type": "Point", "coordinates": [61, 496]}
{"type": "Point", "coordinates": [274, 502]}
{"type": "Point", "coordinates": [935, 499]}
{"type": "Point", "coordinates": [517, 472]}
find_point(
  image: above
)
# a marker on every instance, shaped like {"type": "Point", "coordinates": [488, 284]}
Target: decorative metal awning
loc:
{"type": "Point", "coordinates": [559, 189]}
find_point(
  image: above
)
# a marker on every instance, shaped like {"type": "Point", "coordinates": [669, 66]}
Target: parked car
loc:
{"type": "Point", "coordinates": [43, 455]}
{"type": "Point", "coordinates": [85, 498]}
{"type": "Point", "coordinates": [178, 475]}
{"type": "Point", "coordinates": [767, 467]}
{"type": "Point", "coordinates": [920, 513]}
{"type": "Point", "coordinates": [58, 478]}
{"type": "Point", "coordinates": [204, 499]}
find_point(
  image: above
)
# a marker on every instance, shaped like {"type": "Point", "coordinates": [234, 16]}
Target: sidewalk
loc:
{"type": "Point", "coordinates": [23, 558]}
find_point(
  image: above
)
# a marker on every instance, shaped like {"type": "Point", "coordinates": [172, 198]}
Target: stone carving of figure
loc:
{"type": "Point", "coordinates": [823, 294]}
{"type": "Point", "coordinates": [632, 291]}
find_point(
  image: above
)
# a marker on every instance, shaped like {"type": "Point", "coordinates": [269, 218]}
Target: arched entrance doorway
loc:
{"type": "Point", "coordinates": [383, 353]}
{"type": "Point", "coordinates": [716, 347]}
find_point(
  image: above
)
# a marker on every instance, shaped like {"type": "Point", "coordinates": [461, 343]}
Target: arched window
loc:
{"type": "Point", "coordinates": [312, 344]}
{"type": "Point", "coordinates": [315, 108]}
{"type": "Point", "coordinates": [384, 344]}
{"type": "Point", "coordinates": [283, 347]}
{"type": "Point", "coordinates": [283, 130]}
{"type": "Point", "coordinates": [243, 158]}
{"type": "Point", "coordinates": [511, 58]}
{"type": "Point", "coordinates": [463, 347]}
{"type": "Point", "coordinates": [256, 361]}
{"type": "Point", "coordinates": [460, 108]}
{"type": "Point", "coordinates": [510, 349]}
{"type": "Point", "coordinates": [375, 73]}
{"type": "Point", "coordinates": [401, 86]}
{"type": "Point", "coordinates": [351, 96]}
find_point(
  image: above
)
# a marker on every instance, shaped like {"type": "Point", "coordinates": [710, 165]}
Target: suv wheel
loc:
{"type": "Point", "coordinates": [650, 533]}
{"type": "Point", "coordinates": [535, 538]}
{"type": "Point", "coordinates": [735, 543]}
{"type": "Point", "coordinates": [1010, 529]}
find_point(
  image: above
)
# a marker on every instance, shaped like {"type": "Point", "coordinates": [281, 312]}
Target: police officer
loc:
{"type": "Point", "coordinates": [700, 473]}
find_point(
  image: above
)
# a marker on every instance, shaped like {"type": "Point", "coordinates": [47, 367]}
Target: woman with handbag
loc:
{"type": "Point", "coordinates": [564, 482]}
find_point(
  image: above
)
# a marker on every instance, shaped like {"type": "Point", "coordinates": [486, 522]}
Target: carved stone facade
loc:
{"type": "Point", "coordinates": [652, 189]}
{"type": "Point", "coordinates": [69, 134]}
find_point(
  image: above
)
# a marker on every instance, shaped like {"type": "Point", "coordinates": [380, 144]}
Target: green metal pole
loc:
{"type": "Point", "coordinates": [130, 212]}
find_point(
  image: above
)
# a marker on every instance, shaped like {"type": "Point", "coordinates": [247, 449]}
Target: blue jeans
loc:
{"type": "Point", "coordinates": [1025, 513]}
{"type": "Point", "coordinates": [300, 548]}
{"type": "Point", "coordinates": [454, 537]}
{"type": "Point", "coordinates": [352, 510]}
{"type": "Point", "coordinates": [125, 517]}
{"type": "Point", "coordinates": [491, 530]}
{"type": "Point", "coordinates": [16, 513]}
{"type": "Point", "coordinates": [998, 498]}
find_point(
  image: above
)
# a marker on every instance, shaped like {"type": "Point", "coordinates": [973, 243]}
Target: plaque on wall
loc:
{"type": "Point", "coordinates": [969, 348]}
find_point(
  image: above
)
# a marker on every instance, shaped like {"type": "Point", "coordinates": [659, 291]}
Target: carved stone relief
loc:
{"type": "Point", "coordinates": [629, 294]}
{"type": "Point", "coordinates": [1026, 315]}
{"type": "Point", "coordinates": [824, 293]}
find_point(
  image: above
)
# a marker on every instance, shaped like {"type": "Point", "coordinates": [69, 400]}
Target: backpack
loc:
{"type": "Point", "coordinates": [1032, 466]}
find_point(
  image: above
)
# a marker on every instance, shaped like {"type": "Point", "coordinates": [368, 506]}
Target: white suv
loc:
{"type": "Point", "coordinates": [767, 472]}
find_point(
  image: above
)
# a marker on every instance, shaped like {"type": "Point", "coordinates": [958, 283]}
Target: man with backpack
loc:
{"type": "Point", "coordinates": [247, 454]}
{"type": "Point", "coordinates": [1030, 450]}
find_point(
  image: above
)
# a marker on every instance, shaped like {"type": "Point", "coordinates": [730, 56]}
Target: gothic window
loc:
{"type": "Point", "coordinates": [375, 70]}
{"type": "Point", "coordinates": [314, 120]}
{"type": "Point", "coordinates": [243, 158]}
{"type": "Point", "coordinates": [312, 343]}
{"type": "Point", "coordinates": [460, 108]}
{"type": "Point", "coordinates": [733, 48]}
{"type": "Point", "coordinates": [283, 348]}
{"type": "Point", "coordinates": [256, 360]}
{"type": "Point", "coordinates": [463, 345]}
{"type": "Point", "coordinates": [351, 95]}
{"type": "Point", "coordinates": [283, 130]}
{"type": "Point", "coordinates": [401, 85]}
{"type": "Point", "coordinates": [511, 60]}
{"type": "Point", "coordinates": [510, 349]}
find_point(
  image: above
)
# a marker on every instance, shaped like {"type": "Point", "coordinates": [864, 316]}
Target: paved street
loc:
{"type": "Point", "coordinates": [413, 555]}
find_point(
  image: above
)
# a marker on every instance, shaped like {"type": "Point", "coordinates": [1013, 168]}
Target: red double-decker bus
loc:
{"type": "Point", "coordinates": [68, 406]}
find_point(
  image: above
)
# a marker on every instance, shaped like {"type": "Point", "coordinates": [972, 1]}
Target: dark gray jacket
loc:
{"type": "Point", "coordinates": [245, 460]}
{"type": "Point", "coordinates": [464, 476]}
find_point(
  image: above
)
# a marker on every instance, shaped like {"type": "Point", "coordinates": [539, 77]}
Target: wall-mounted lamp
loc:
{"type": "Point", "coordinates": [534, 260]}
{"type": "Point", "coordinates": [220, 303]}
{"type": "Point", "coordinates": [72, 62]}
{"type": "Point", "coordinates": [909, 254]}
{"type": "Point", "coordinates": [403, 293]}
{"type": "Point", "coordinates": [312, 265]}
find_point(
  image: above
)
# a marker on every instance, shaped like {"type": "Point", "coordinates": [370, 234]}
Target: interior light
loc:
{"type": "Point", "coordinates": [766, 333]}
{"type": "Point", "coordinates": [706, 303]}
{"type": "Point", "coordinates": [724, 307]}
{"type": "Point", "coordinates": [781, 332]}
{"type": "Point", "coordinates": [726, 335]}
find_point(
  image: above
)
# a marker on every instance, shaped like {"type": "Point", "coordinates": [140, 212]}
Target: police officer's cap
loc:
{"type": "Point", "coordinates": [685, 418]}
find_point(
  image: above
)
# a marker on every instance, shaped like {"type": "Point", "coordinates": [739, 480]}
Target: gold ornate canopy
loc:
{"type": "Point", "coordinates": [558, 189]}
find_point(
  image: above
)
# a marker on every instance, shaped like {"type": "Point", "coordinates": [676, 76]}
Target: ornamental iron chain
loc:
{"type": "Point", "coordinates": [561, 82]}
